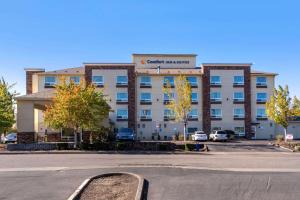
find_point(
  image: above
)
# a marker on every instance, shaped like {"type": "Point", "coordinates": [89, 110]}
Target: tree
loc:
{"type": "Point", "coordinates": [7, 115]}
{"type": "Point", "coordinates": [282, 108]}
{"type": "Point", "coordinates": [76, 107]}
{"type": "Point", "coordinates": [181, 106]}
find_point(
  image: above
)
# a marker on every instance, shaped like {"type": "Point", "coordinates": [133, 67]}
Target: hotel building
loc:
{"type": "Point", "coordinates": [229, 96]}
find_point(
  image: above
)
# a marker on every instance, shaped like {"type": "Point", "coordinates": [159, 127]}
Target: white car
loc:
{"type": "Point", "coordinates": [199, 136]}
{"type": "Point", "coordinates": [10, 138]}
{"type": "Point", "coordinates": [218, 136]}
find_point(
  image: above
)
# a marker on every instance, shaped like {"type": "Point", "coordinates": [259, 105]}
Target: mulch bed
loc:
{"type": "Point", "coordinates": [289, 145]}
{"type": "Point", "coordinates": [114, 187]}
{"type": "Point", "coordinates": [2, 147]}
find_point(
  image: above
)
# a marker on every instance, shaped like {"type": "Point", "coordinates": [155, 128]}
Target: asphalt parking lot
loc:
{"type": "Point", "coordinates": [164, 183]}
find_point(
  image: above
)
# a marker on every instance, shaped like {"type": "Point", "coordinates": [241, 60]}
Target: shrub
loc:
{"type": "Point", "coordinates": [175, 137]}
{"type": "Point", "coordinates": [279, 138]}
{"type": "Point", "coordinates": [180, 137]}
{"type": "Point", "coordinates": [190, 147]}
{"type": "Point", "coordinates": [297, 148]}
{"type": "Point", "coordinates": [122, 146]}
{"type": "Point", "coordinates": [63, 146]}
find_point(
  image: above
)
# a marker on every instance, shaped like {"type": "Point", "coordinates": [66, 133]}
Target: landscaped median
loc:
{"type": "Point", "coordinates": [120, 186]}
{"type": "Point", "coordinates": [149, 146]}
{"type": "Point", "coordinates": [288, 145]}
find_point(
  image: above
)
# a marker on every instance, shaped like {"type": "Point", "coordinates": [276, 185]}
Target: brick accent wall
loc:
{"type": "Point", "coordinates": [53, 137]}
{"type": "Point", "coordinates": [131, 87]}
{"type": "Point", "coordinates": [206, 96]}
{"type": "Point", "coordinates": [206, 100]}
{"type": "Point", "coordinates": [25, 137]}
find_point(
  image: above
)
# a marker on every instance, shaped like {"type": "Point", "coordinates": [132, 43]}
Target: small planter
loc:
{"type": "Point", "coordinates": [121, 186]}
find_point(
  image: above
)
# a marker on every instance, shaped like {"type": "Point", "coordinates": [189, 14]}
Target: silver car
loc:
{"type": "Point", "coordinates": [218, 136]}
{"type": "Point", "coordinates": [10, 138]}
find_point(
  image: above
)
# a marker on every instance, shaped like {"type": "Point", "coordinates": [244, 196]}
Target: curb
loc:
{"type": "Point", "coordinates": [85, 183]}
{"type": "Point", "coordinates": [285, 148]}
{"type": "Point", "coordinates": [101, 152]}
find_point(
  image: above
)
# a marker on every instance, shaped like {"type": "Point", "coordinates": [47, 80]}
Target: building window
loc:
{"type": "Point", "coordinates": [261, 97]}
{"type": "Point", "coordinates": [145, 81]}
{"type": "Point", "coordinates": [75, 79]}
{"type": "Point", "coordinates": [261, 113]}
{"type": "Point", "coordinates": [240, 131]}
{"type": "Point", "coordinates": [122, 97]}
{"type": "Point", "coordinates": [169, 115]}
{"type": "Point", "coordinates": [216, 128]}
{"type": "Point", "coordinates": [145, 97]}
{"type": "Point", "coordinates": [145, 115]}
{"type": "Point", "coordinates": [239, 113]}
{"type": "Point", "coordinates": [168, 97]}
{"type": "Point", "coordinates": [215, 97]}
{"type": "Point", "coordinates": [216, 113]}
{"type": "Point", "coordinates": [122, 80]}
{"type": "Point", "coordinates": [192, 81]}
{"type": "Point", "coordinates": [215, 80]}
{"type": "Point", "coordinates": [169, 80]}
{"type": "Point", "coordinates": [194, 97]}
{"type": "Point", "coordinates": [261, 81]}
{"type": "Point", "coordinates": [193, 114]}
{"type": "Point", "coordinates": [238, 80]}
{"type": "Point", "coordinates": [238, 96]}
{"type": "Point", "coordinates": [143, 126]}
{"type": "Point", "coordinates": [122, 114]}
{"type": "Point", "coordinates": [50, 81]}
{"type": "Point", "coordinates": [192, 130]}
{"type": "Point", "coordinates": [98, 81]}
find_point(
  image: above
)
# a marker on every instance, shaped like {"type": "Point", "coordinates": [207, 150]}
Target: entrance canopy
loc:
{"type": "Point", "coordinates": [26, 105]}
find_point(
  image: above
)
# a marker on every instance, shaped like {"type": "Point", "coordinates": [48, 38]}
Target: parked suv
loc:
{"type": "Point", "coordinates": [125, 134]}
{"type": "Point", "coordinates": [218, 136]}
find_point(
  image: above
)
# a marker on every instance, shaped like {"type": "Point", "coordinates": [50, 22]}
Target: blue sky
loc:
{"type": "Point", "coordinates": [56, 34]}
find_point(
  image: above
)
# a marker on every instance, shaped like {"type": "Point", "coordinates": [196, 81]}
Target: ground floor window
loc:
{"type": "Point", "coordinates": [216, 128]}
{"type": "Point", "coordinates": [191, 130]}
{"type": "Point", "coordinates": [239, 131]}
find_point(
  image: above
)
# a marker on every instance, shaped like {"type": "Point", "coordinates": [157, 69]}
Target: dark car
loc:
{"type": "Point", "coordinates": [125, 134]}
{"type": "Point", "coordinates": [230, 134]}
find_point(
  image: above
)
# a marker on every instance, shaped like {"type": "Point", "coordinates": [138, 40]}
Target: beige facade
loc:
{"type": "Point", "coordinates": [148, 104]}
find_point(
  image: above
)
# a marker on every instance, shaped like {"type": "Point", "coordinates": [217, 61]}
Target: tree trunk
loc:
{"type": "Point", "coordinates": [285, 133]}
{"type": "Point", "coordinates": [184, 133]}
{"type": "Point", "coordinates": [75, 138]}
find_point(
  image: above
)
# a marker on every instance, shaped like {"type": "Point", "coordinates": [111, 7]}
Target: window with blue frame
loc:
{"type": "Point", "coordinates": [50, 81]}
{"type": "Point", "coordinates": [261, 97]}
{"type": "Point", "coordinates": [145, 80]}
{"type": "Point", "coordinates": [122, 80]}
{"type": "Point", "coordinates": [122, 96]}
{"type": "Point", "coordinates": [169, 80]}
{"type": "Point", "coordinates": [75, 79]}
{"type": "Point", "coordinates": [215, 96]}
{"type": "Point", "coordinates": [145, 97]}
{"type": "Point", "coordinates": [239, 113]}
{"type": "Point", "coordinates": [261, 113]}
{"type": "Point", "coordinates": [97, 80]}
{"type": "Point", "coordinates": [192, 80]}
{"type": "Point", "coordinates": [122, 114]}
{"type": "Point", "coordinates": [194, 97]}
{"type": "Point", "coordinates": [261, 80]}
{"type": "Point", "coordinates": [215, 80]}
{"type": "Point", "coordinates": [238, 80]}
{"type": "Point", "coordinates": [238, 96]}
{"type": "Point", "coordinates": [216, 113]}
